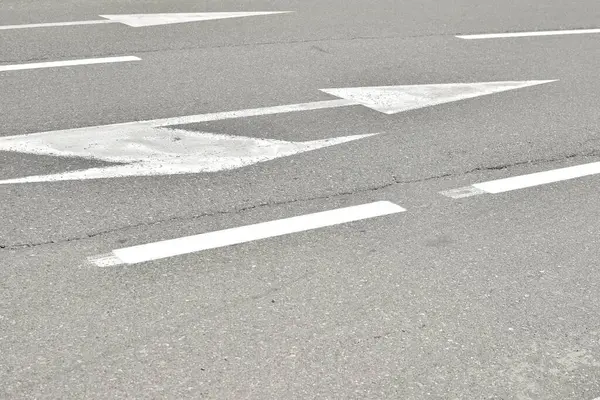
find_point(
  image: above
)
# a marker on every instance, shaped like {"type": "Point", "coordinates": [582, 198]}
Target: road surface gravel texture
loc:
{"type": "Point", "coordinates": [297, 205]}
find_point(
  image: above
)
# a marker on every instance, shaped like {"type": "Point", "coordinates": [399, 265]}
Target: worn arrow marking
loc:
{"type": "Point", "coordinates": [144, 151]}
{"type": "Point", "coordinates": [145, 148]}
{"type": "Point", "coordinates": [141, 20]}
{"type": "Point", "coordinates": [395, 99]}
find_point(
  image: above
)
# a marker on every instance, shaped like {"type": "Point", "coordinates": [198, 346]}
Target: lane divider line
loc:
{"type": "Point", "coordinates": [68, 63]}
{"type": "Point", "coordinates": [528, 34]}
{"type": "Point", "coordinates": [243, 234]}
{"type": "Point", "coordinates": [524, 181]}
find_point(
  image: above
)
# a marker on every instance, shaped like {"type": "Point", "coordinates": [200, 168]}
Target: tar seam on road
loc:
{"type": "Point", "coordinates": [244, 234]}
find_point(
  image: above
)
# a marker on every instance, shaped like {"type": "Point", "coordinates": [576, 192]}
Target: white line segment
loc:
{"type": "Point", "coordinates": [53, 24]}
{"type": "Point", "coordinates": [67, 63]}
{"type": "Point", "coordinates": [525, 181]}
{"type": "Point", "coordinates": [528, 34]}
{"type": "Point", "coordinates": [142, 20]}
{"type": "Point", "coordinates": [244, 234]}
{"type": "Point", "coordinates": [252, 112]}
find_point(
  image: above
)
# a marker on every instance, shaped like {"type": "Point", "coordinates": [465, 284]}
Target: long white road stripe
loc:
{"type": "Point", "coordinates": [527, 34]}
{"type": "Point", "coordinates": [525, 181]}
{"type": "Point", "coordinates": [68, 63]}
{"type": "Point", "coordinates": [252, 112]}
{"type": "Point", "coordinates": [53, 24]}
{"type": "Point", "coordinates": [249, 233]}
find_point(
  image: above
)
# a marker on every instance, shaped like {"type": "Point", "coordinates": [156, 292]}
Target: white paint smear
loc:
{"type": "Point", "coordinates": [525, 181]}
{"type": "Point", "coordinates": [249, 233]}
{"type": "Point", "coordinates": [68, 63]}
{"type": "Point", "coordinates": [527, 34]}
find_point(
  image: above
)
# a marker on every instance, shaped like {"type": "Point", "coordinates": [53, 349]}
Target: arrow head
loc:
{"type": "Point", "coordinates": [147, 151]}
{"type": "Point", "coordinates": [395, 99]}
{"type": "Point", "coordinates": [140, 20]}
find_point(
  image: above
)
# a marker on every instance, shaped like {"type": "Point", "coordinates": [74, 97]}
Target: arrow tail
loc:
{"type": "Point", "coordinates": [117, 171]}
{"type": "Point", "coordinates": [54, 24]}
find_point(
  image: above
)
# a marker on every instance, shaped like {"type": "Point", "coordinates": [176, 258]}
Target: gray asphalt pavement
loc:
{"type": "Point", "coordinates": [487, 297]}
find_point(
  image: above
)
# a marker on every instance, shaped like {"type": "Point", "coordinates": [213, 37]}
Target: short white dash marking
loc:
{"type": "Point", "coordinates": [527, 34]}
{"type": "Point", "coordinates": [539, 178]}
{"type": "Point", "coordinates": [105, 260]}
{"type": "Point", "coordinates": [525, 181]}
{"type": "Point", "coordinates": [244, 234]}
{"type": "Point", "coordinates": [67, 63]}
{"type": "Point", "coordinates": [463, 192]}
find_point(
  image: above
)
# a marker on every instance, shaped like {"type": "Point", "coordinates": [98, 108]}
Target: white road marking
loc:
{"type": "Point", "coordinates": [53, 24]}
{"type": "Point", "coordinates": [141, 20]}
{"type": "Point", "coordinates": [67, 63]}
{"type": "Point", "coordinates": [385, 99]}
{"type": "Point", "coordinates": [244, 234]}
{"type": "Point", "coordinates": [395, 99]}
{"type": "Point", "coordinates": [527, 34]}
{"type": "Point", "coordinates": [149, 150]}
{"type": "Point", "coordinates": [252, 112]}
{"type": "Point", "coordinates": [525, 181]}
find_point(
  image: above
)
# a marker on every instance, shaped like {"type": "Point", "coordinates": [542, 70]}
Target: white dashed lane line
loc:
{"type": "Point", "coordinates": [525, 181]}
{"type": "Point", "coordinates": [67, 63]}
{"type": "Point", "coordinates": [528, 34]}
{"type": "Point", "coordinates": [244, 234]}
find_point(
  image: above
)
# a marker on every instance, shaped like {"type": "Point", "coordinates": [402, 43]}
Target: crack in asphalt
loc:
{"type": "Point", "coordinates": [235, 45]}
{"type": "Point", "coordinates": [274, 42]}
{"type": "Point", "coordinates": [395, 181]}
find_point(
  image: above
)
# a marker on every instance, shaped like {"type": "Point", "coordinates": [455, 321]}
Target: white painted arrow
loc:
{"type": "Point", "coordinates": [145, 148]}
{"type": "Point", "coordinates": [141, 20]}
{"type": "Point", "coordinates": [395, 99]}
{"type": "Point", "coordinates": [146, 151]}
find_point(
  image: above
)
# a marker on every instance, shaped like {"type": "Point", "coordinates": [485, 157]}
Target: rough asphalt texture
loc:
{"type": "Point", "coordinates": [489, 297]}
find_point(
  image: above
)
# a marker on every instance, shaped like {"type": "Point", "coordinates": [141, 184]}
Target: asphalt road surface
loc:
{"type": "Point", "coordinates": [491, 291]}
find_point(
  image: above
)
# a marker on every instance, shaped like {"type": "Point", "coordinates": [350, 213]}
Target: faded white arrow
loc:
{"type": "Point", "coordinates": [145, 148]}
{"type": "Point", "coordinates": [146, 151]}
{"type": "Point", "coordinates": [141, 20]}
